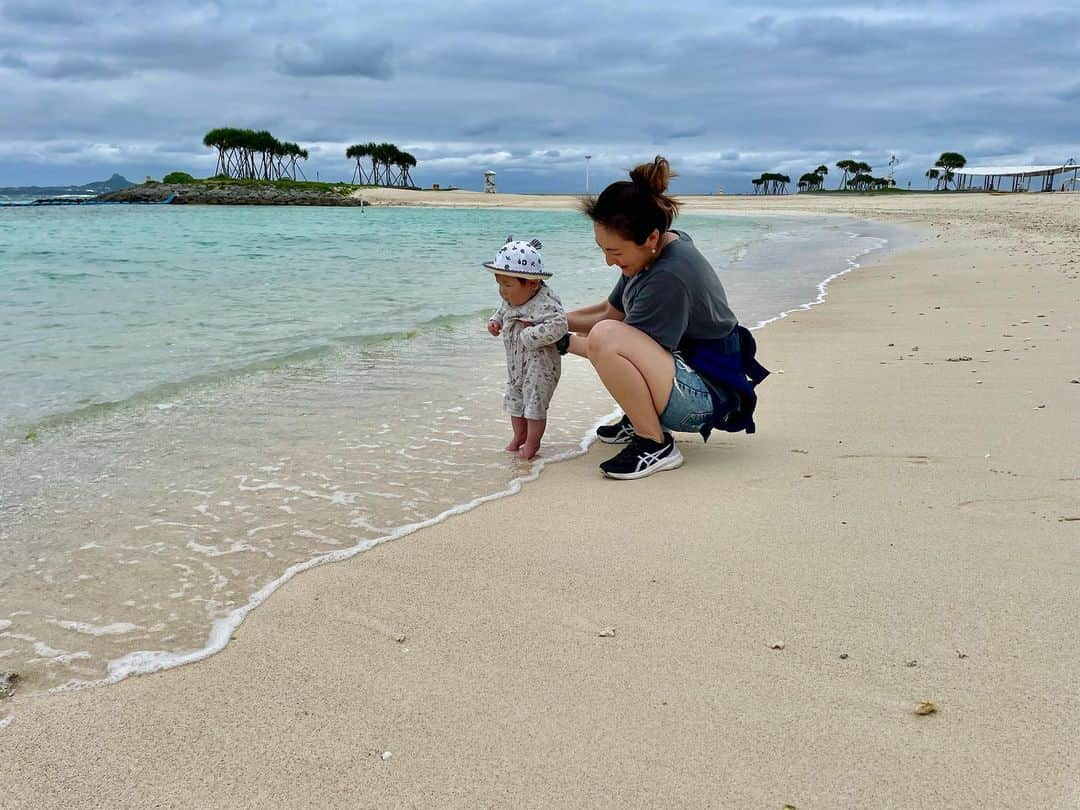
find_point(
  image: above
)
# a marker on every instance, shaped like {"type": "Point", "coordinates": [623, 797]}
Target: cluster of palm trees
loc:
{"type": "Point", "coordinates": [771, 183]}
{"type": "Point", "coordinates": [389, 165]}
{"type": "Point", "coordinates": [815, 180]}
{"type": "Point", "coordinates": [856, 177]}
{"type": "Point", "coordinates": [942, 173]}
{"type": "Point", "coordinates": [249, 155]}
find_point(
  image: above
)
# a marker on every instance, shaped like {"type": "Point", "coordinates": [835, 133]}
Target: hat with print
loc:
{"type": "Point", "coordinates": [519, 259]}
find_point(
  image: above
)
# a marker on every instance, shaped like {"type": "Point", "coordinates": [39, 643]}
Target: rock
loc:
{"type": "Point", "coordinates": [912, 663]}
{"type": "Point", "coordinates": [400, 639]}
{"type": "Point", "coordinates": [776, 645]}
{"type": "Point", "coordinates": [606, 632]}
{"type": "Point", "coordinates": [843, 656]}
{"type": "Point", "coordinates": [961, 359]}
{"type": "Point", "coordinates": [217, 194]}
{"type": "Point", "coordinates": [926, 707]}
{"type": "Point", "coordinates": [7, 684]}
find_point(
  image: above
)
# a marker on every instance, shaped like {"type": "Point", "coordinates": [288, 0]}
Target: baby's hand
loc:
{"type": "Point", "coordinates": [494, 328]}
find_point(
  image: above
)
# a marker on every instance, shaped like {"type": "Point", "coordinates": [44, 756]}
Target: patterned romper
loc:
{"type": "Point", "coordinates": [532, 361]}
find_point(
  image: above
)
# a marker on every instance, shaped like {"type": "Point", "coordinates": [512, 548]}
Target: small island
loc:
{"type": "Point", "coordinates": [217, 191]}
{"type": "Point", "coordinates": [255, 168]}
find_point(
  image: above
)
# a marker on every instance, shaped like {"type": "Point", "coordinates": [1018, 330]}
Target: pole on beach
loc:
{"type": "Point", "coordinates": [587, 159]}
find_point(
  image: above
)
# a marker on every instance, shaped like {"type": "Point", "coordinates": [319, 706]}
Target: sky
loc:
{"type": "Point", "coordinates": [725, 90]}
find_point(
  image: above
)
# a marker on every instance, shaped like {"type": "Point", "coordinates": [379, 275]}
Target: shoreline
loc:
{"type": "Point", "coordinates": [531, 612]}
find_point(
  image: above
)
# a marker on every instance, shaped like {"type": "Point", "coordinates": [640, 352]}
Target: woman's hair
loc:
{"type": "Point", "coordinates": [636, 207]}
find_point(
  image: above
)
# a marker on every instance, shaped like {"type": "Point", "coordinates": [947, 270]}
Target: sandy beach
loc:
{"type": "Point", "coordinates": [755, 630]}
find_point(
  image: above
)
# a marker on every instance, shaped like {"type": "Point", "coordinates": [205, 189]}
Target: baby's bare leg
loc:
{"type": "Point", "coordinates": [521, 430]}
{"type": "Point", "coordinates": [535, 433]}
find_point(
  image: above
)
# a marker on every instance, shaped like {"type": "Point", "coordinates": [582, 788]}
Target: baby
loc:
{"type": "Point", "coordinates": [531, 321]}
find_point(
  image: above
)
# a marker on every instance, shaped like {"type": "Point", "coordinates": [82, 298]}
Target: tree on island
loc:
{"type": "Point", "coordinates": [245, 154]}
{"type": "Point", "coordinates": [813, 181]}
{"type": "Point", "coordinates": [947, 163]}
{"type": "Point", "coordinates": [848, 167]}
{"type": "Point", "coordinates": [771, 183]}
{"type": "Point", "coordinates": [385, 158]}
{"type": "Point", "coordinates": [851, 168]}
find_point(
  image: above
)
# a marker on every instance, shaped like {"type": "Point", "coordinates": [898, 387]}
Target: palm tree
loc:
{"type": "Point", "coordinates": [811, 181]}
{"type": "Point", "coordinates": [847, 166]}
{"type": "Point", "coordinates": [294, 153]}
{"type": "Point", "coordinates": [215, 139]}
{"type": "Point", "coordinates": [407, 162]}
{"type": "Point", "coordinates": [949, 161]}
{"type": "Point", "coordinates": [357, 152]}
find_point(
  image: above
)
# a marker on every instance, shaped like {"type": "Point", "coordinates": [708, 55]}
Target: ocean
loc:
{"type": "Point", "coordinates": [201, 402]}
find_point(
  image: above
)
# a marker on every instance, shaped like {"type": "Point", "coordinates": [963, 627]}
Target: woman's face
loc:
{"type": "Point", "coordinates": [631, 257]}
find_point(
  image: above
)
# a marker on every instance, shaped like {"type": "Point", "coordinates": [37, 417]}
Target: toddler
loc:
{"type": "Point", "coordinates": [531, 321]}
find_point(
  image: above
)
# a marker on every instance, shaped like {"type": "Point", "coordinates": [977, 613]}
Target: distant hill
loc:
{"type": "Point", "coordinates": [114, 183]}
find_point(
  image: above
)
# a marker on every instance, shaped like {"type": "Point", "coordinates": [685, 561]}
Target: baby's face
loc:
{"type": "Point", "coordinates": [516, 291]}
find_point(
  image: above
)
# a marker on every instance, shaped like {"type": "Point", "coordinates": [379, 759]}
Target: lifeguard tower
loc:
{"type": "Point", "coordinates": [489, 182]}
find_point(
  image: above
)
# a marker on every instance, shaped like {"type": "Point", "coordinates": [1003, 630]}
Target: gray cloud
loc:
{"type": "Point", "coordinates": [13, 60]}
{"type": "Point", "coordinates": [44, 13]}
{"type": "Point", "coordinates": [764, 85]}
{"type": "Point", "coordinates": [78, 68]}
{"type": "Point", "coordinates": [336, 59]}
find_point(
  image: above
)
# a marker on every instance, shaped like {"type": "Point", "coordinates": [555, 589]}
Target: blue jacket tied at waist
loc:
{"type": "Point", "coordinates": [731, 372]}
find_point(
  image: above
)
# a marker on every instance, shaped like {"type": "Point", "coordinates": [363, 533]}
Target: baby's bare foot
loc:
{"type": "Point", "coordinates": [528, 450]}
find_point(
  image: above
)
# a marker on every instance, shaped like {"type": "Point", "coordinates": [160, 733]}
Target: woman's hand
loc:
{"type": "Point", "coordinates": [494, 328]}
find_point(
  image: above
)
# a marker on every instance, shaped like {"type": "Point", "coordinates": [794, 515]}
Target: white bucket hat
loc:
{"type": "Point", "coordinates": [518, 259]}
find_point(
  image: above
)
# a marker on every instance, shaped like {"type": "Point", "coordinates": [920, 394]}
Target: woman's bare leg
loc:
{"type": "Point", "coordinates": [635, 369]}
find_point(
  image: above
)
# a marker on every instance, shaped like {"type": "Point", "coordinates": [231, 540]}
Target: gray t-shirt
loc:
{"type": "Point", "coordinates": [678, 298]}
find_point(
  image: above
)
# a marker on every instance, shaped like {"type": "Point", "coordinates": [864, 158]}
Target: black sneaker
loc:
{"type": "Point", "coordinates": [643, 457]}
{"type": "Point", "coordinates": [619, 433]}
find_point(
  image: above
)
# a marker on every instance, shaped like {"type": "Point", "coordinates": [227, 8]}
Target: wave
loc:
{"type": "Point", "coordinates": [167, 391]}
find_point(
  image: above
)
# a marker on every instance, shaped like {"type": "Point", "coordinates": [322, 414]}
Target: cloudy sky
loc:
{"type": "Point", "coordinates": [727, 90]}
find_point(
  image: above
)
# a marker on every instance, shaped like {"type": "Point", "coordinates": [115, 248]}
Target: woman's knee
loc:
{"type": "Point", "coordinates": [605, 337]}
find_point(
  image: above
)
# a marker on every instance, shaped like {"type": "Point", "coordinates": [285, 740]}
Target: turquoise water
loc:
{"type": "Point", "coordinates": [201, 401]}
{"type": "Point", "coordinates": [104, 303]}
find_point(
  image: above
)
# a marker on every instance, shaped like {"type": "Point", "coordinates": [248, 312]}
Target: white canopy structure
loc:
{"type": "Point", "coordinates": [1020, 176]}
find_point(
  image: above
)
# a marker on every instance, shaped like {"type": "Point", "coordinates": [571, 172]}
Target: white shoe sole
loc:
{"type": "Point", "coordinates": [672, 462]}
{"type": "Point", "coordinates": [616, 439]}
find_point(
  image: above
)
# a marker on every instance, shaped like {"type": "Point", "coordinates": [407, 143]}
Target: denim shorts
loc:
{"type": "Point", "coordinates": [690, 406]}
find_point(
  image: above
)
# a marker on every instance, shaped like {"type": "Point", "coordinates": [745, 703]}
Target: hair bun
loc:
{"type": "Point", "coordinates": [653, 177]}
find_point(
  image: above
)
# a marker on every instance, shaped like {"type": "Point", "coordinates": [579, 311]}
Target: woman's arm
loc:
{"type": "Point", "coordinates": [583, 320]}
{"type": "Point", "coordinates": [545, 326]}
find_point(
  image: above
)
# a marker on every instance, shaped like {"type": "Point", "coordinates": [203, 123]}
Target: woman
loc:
{"type": "Point", "coordinates": [667, 316]}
